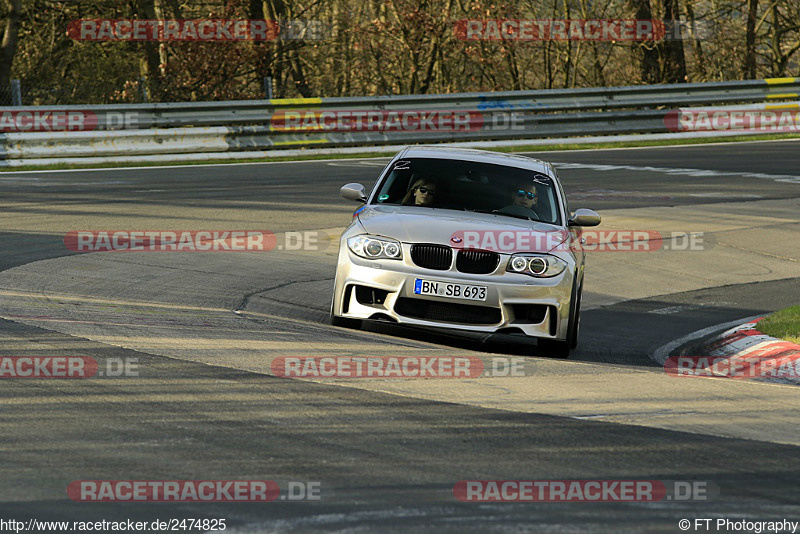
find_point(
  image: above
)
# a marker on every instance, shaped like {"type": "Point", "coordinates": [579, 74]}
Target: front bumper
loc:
{"type": "Point", "coordinates": [384, 289]}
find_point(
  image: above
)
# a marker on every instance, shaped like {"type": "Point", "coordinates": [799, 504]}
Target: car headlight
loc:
{"type": "Point", "coordinates": [375, 248]}
{"type": "Point", "coordinates": [538, 265]}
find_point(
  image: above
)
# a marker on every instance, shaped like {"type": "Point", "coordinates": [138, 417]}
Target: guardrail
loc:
{"type": "Point", "coordinates": [38, 135]}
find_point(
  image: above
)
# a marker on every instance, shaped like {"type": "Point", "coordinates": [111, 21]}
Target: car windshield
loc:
{"type": "Point", "coordinates": [471, 186]}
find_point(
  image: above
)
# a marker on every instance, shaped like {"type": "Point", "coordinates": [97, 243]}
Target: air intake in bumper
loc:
{"type": "Point", "coordinates": [447, 312]}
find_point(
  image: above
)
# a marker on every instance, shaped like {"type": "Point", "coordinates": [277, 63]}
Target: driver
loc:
{"type": "Point", "coordinates": [525, 195]}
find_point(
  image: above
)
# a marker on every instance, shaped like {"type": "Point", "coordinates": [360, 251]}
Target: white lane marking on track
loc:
{"type": "Point", "coordinates": [392, 148]}
{"type": "Point", "coordinates": [360, 163]}
{"type": "Point", "coordinates": [685, 145]}
{"type": "Point", "coordinates": [37, 182]}
{"type": "Point", "coordinates": [135, 325]}
{"type": "Point", "coordinates": [661, 354]}
{"type": "Point", "coordinates": [787, 178]}
{"type": "Point", "coordinates": [724, 195]}
{"type": "Point", "coordinates": [672, 309]}
{"type": "Point", "coordinates": [199, 164]}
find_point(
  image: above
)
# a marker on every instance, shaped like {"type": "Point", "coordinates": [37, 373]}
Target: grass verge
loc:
{"type": "Point", "coordinates": [783, 324]}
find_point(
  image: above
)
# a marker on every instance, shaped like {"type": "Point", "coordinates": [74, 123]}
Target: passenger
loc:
{"type": "Point", "coordinates": [422, 193]}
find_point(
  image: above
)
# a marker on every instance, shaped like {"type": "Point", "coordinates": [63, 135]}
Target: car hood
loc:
{"type": "Point", "coordinates": [412, 224]}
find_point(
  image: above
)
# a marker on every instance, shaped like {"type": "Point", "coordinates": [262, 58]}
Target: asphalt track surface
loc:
{"type": "Point", "coordinates": [387, 454]}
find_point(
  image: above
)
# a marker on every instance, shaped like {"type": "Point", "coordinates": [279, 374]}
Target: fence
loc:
{"type": "Point", "coordinates": [12, 94]}
{"type": "Point", "coordinates": [134, 132]}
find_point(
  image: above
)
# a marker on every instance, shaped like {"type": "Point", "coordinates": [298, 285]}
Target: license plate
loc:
{"type": "Point", "coordinates": [449, 290]}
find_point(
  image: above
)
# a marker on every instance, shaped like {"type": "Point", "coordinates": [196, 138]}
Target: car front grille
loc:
{"type": "Point", "coordinates": [446, 311]}
{"type": "Point", "coordinates": [438, 257]}
{"type": "Point", "coordinates": [477, 261]}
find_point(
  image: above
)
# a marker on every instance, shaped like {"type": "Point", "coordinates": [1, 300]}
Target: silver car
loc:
{"type": "Point", "coordinates": [466, 240]}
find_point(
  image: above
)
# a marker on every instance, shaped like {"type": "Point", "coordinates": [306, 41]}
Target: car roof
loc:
{"type": "Point", "coordinates": [481, 156]}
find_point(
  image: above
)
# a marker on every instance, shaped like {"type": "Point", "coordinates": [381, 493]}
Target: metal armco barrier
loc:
{"type": "Point", "coordinates": [32, 134]}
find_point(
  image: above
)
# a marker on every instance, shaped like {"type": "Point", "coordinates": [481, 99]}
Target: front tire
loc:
{"type": "Point", "coordinates": [556, 347]}
{"type": "Point", "coordinates": [575, 325]}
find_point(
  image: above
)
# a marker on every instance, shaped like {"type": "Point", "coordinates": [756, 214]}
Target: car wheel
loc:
{"type": "Point", "coordinates": [575, 325]}
{"type": "Point", "coordinates": [556, 347]}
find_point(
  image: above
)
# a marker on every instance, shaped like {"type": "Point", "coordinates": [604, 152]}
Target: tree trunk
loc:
{"type": "Point", "coordinates": [699, 60]}
{"type": "Point", "coordinates": [673, 58]}
{"type": "Point", "coordinates": [8, 48]}
{"type": "Point", "coordinates": [263, 59]}
{"type": "Point", "coordinates": [750, 42]}
{"type": "Point", "coordinates": [150, 62]}
{"type": "Point", "coordinates": [646, 52]}
{"type": "Point", "coordinates": [775, 42]}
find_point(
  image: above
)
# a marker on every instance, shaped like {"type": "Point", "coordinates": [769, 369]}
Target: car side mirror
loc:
{"type": "Point", "coordinates": [355, 192]}
{"type": "Point", "coordinates": [584, 217]}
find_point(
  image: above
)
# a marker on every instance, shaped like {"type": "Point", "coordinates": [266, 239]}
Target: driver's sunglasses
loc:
{"type": "Point", "coordinates": [425, 191]}
{"type": "Point", "coordinates": [523, 194]}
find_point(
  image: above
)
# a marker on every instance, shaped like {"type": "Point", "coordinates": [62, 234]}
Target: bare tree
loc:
{"type": "Point", "coordinates": [149, 65]}
{"type": "Point", "coordinates": [8, 46]}
{"type": "Point", "coordinates": [645, 51]}
{"type": "Point", "coordinates": [673, 60]}
{"type": "Point", "coordinates": [385, 47]}
{"type": "Point", "coordinates": [750, 41]}
{"type": "Point", "coordinates": [287, 56]}
{"type": "Point", "coordinates": [784, 25]}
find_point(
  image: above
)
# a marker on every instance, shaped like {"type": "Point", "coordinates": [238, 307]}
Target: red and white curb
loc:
{"type": "Point", "coordinates": [742, 352]}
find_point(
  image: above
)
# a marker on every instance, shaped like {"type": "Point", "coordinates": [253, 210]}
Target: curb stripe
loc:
{"type": "Point", "coordinates": [748, 345]}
